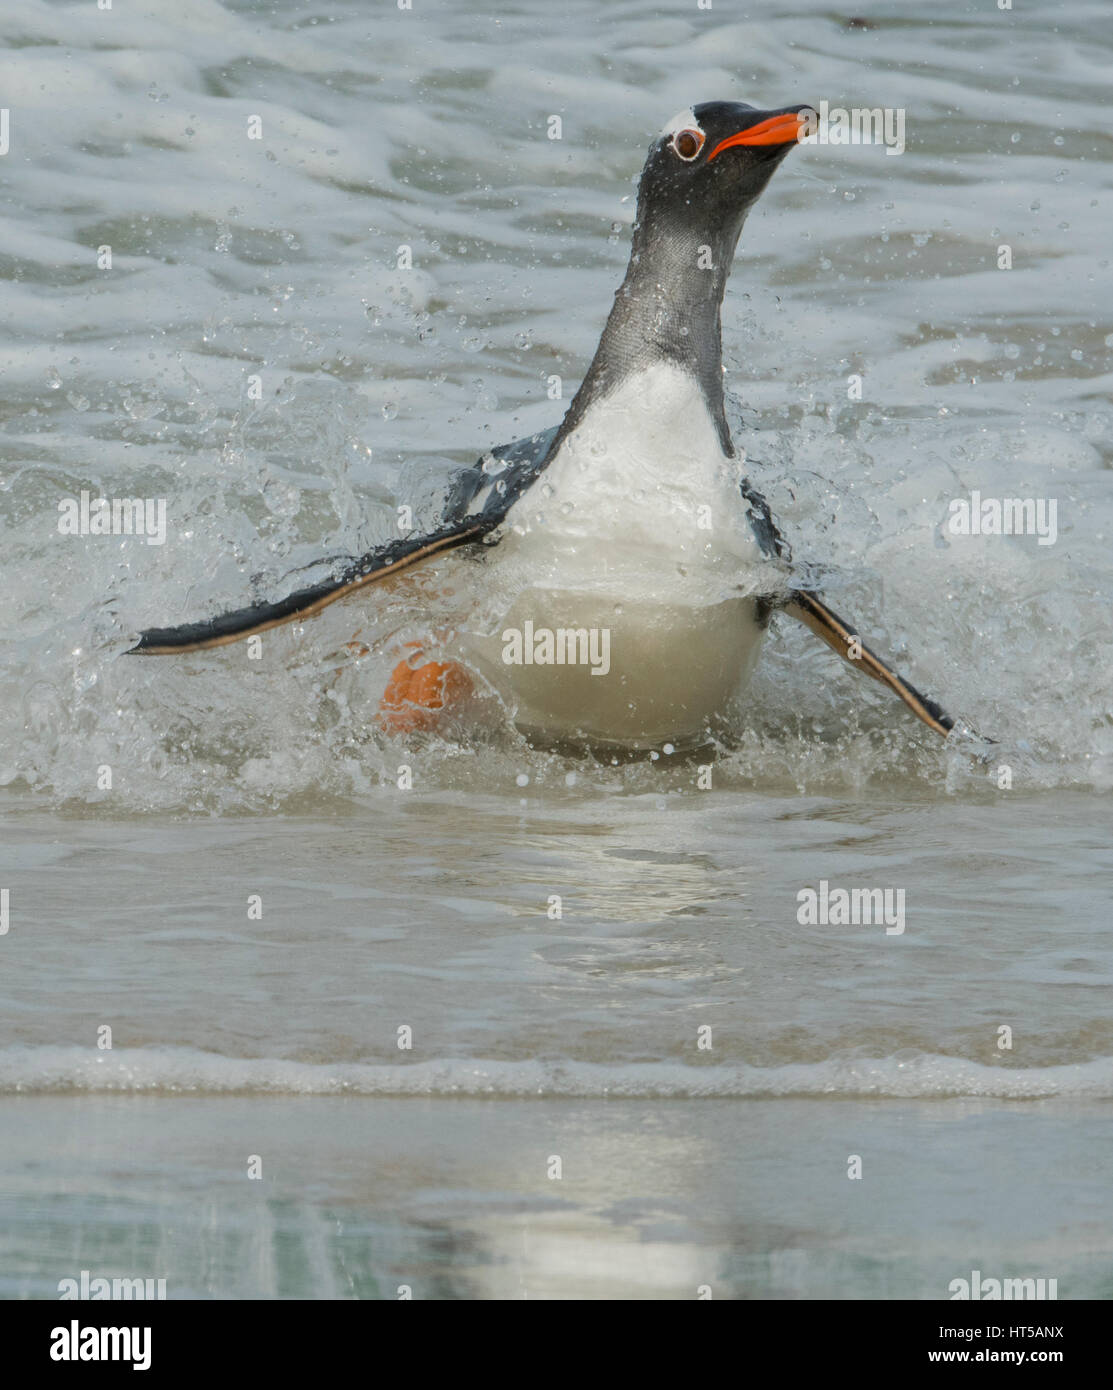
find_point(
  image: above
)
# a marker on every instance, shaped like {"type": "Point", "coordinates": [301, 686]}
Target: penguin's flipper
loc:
{"type": "Point", "coordinates": [477, 502]}
{"type": "Point", "coordinates": [840, 637]}
{"type": "Point", "coordinates": [307, 603]}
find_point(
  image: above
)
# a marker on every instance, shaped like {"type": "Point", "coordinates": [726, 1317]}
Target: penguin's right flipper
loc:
{"type": "Point", "coordinates": [307, 603]}
{"type": "Point", "coordinates": [477, 502]}
{"type": "Point", "coordinates": [840, 637]}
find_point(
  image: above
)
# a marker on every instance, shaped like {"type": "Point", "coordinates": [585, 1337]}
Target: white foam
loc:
{"type": "Point", "coordinates": [39, 1070]}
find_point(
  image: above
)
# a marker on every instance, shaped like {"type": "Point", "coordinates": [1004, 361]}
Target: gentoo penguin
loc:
{"type": "Point", "coordinates": [627, 567]}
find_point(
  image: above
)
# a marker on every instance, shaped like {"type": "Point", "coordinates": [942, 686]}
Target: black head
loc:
{"type": "Point", "coordinates": [711, 163]}
{"type": "Point", "coordinates": [704, 173]}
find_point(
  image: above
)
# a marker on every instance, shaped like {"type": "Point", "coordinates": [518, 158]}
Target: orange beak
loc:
{"type": "Point", "coordinates": [777, 130]}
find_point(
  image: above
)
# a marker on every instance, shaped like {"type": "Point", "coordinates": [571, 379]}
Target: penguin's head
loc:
{"type": "Point", "coordinates": [711, 162]}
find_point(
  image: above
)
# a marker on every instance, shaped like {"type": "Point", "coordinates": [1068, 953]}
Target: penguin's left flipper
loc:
{"type": "Point", "coordinates": [840, 637]}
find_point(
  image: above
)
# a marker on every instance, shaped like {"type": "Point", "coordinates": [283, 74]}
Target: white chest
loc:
{"type": "Point", "coordinates": [640, 499]}
{"type": "Point", "coordinates": [636, 537]}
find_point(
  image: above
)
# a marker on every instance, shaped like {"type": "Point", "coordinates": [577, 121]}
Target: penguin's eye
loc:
{"type": "Point", "coordinates": [688, 143]}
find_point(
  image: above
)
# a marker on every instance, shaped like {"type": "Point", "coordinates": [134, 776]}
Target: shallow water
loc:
{"type": "Point", "coordinates": [430, 907]}
{"type": "Point", "coordinates": [656, 1200]}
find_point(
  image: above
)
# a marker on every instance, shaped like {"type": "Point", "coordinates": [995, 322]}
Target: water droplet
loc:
{"type": "Point", "coordinates": [280, 497]}
{"type": "Point", "coordinates": [390, 410]}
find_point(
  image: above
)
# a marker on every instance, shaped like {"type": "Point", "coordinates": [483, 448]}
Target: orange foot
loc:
{"type": "Point", "coordinates": [415, 697]}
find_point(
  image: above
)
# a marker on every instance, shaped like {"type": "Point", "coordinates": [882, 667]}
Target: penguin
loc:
{"type": "Point", "coordinates": [628, 568]}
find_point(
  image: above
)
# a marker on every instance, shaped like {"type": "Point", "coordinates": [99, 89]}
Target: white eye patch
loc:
{"type": "Point", "coordinates": [683, 120]}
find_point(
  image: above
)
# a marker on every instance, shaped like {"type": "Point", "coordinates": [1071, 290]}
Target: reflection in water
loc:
{"type": "Point", "coordinates": [359, 1198]}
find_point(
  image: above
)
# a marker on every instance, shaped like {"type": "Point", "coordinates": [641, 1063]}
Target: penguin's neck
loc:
{"type": "Point", "coordinates": [667, 311]}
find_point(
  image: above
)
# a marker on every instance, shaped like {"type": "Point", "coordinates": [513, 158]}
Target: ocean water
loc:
{"type": "Point", "coordinates": [601, 964]}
